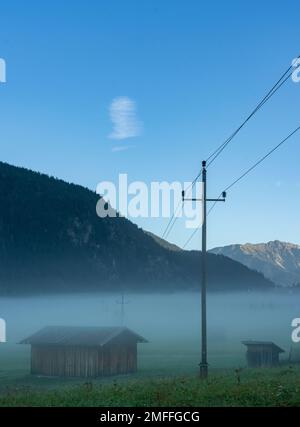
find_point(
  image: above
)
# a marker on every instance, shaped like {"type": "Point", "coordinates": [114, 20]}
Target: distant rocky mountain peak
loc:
{"type": "Point", "coordinates": [278, 261]}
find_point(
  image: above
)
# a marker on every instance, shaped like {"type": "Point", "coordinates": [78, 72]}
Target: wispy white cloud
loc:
{"type": "Point", "coordinates": [120, 148]}
{"type": "Point", "coordinates": [123, 116]}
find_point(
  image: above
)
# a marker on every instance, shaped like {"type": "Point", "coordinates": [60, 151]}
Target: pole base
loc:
{"type": "Point", "coordinates": [203, 371]}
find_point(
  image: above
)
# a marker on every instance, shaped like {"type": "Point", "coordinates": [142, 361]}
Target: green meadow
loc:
{"type": "Point", "coordinates": [168, 364]}
{"type": "Point", "coordinates": [265, 387]}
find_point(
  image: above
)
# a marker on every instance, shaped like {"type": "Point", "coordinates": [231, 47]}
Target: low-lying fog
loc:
{"type": "Point", "coordinates": [171, 323]}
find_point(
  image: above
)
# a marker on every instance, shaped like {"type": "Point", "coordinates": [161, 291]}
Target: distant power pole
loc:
{"type": "Point", "coordinates": [122, 303]}
{"type": "Point", "coordinates": [203, 364]}
{"type": "Point", "coordinates": [122, 309]}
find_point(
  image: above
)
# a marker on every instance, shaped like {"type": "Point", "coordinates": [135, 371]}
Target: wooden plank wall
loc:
{"type": "Point", "coordinates": [64, 361]}
{"type": "Point", "coordinates": [119, 359]}
{"type": "Point", "coordinates": [69, 361]}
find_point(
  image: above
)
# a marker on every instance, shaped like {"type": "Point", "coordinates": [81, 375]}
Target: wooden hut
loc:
{"type": "Point", "coordinates": [262, 353]}
{"type": "Point", "coordinates": [68, 351]}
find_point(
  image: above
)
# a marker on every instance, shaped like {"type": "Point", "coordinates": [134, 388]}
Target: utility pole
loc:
{"type": "Point", "coordinates": [203, 364]}
{"type": "Point", "coordinates": [122, 309]}
{"type": "Point", "coordinates": [122, 303]}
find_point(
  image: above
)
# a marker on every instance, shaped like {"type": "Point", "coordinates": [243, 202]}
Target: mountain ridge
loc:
{"type": "Point", "coordinates": [52, 240]}
{"type": "Point", "coordinates": [278, 261]}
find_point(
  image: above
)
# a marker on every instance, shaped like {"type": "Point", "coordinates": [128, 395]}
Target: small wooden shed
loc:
{"type": "Point", "coordinates": [262, 353]}
{"type": "Point", "coordinates": [68, 351]}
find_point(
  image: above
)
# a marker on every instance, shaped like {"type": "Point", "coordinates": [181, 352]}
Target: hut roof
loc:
{"type": "Point", "coordinates": [79, 335]}
{"type": "Point", "coordinates": [263, 343]}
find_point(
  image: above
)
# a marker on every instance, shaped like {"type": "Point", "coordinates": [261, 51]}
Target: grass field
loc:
{"type": "Point", "coordinates": [168, 364]}
{"type": "Point", "coordinates": [264, 387]}
{"type": "Point", "coordinates": [165, 378]}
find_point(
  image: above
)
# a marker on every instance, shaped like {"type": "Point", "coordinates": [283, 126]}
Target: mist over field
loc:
{"type": "Point", "coordinates": [171, 323]}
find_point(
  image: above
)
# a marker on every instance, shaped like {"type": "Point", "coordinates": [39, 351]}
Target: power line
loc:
{"type": "Point", "coordinates": [174, 216]}
{"type": "Point", "coordinates": [271, 92]}
{"type": "Point", "coordinates": [190, 238]}
{"type": "Point", "coordinates": [262, 159]}
{"type": "Point", "coordinates": [198, 229]}
{"type": "Point", "coordinates": [171, 222]}
{"type": "Point", "coordinates": [267, 96]}
{"type": "Point", "coordinates": [285, 76]}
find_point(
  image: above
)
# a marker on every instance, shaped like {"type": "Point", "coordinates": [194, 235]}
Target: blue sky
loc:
{"type": "Point", "coordinates": [194, 70]}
